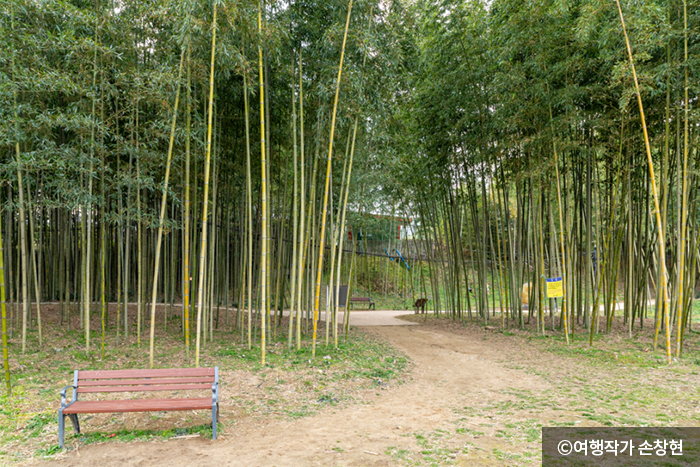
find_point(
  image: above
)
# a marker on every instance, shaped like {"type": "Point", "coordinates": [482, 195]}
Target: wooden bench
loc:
{"type": "Point", "coordinates": [108, 381]}
{"type": "Point", "coordinates": [363, 299]}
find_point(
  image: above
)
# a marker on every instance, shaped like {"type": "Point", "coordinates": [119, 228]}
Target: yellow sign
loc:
{"type": "Point", "coordinates": [555, 287]}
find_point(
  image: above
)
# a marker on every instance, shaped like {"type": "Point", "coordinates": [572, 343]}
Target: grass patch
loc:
{"type": "Point", "coordinates": [292, 384]}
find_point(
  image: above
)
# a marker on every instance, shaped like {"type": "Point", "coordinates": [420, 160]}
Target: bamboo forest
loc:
{"type": "Point", "coordinates": [191, 183]}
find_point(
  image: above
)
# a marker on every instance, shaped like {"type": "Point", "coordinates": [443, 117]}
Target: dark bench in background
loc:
{"type": "Point", "coordinates": [363, 299]}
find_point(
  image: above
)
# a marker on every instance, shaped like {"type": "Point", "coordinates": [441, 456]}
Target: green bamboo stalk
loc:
{"type": "Point", "coordinates": [186, 279]}
{"type": "Point", "coordinates": [295, 220]}
{"type": "Point", "coordinates": [263, 254]}
{"type": "Point", "coordinates": [249, 210]}
{"type": "Point", "coordinates": [564, 316]}
{"type": "Point", "coordinates": [207, 168]}
{"type": "Point", "coordinates": [88, 276]}
{"type": "Point", "coordinates": [139, 232]}
{"type": "Point", "coordinates": [3, 309]}
{"type": "Point", "coordinates": [302, 203]}
{"type": "Point", "coordinates": [103, 231]}
{"type": "Point", "coordinates": [22, 222]}
{"type": "Point", "coordinates": [345, 191]}
{"type": "Point", "coordinates": [328, 176]}
{"type": "Point", "coordinates": [35, 268]}
{"type": "Point", "coordinates": [657, 212]}
{"type": "Point", "coordinates": [608, 241]}
{"type": "Point", "coordinates": [163, 202]}
{"type": "Point", "coordinates": [684, 193]}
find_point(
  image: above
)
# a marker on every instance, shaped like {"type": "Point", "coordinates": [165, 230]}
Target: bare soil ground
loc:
{"type": "Point", "coordinates": [477, 397]}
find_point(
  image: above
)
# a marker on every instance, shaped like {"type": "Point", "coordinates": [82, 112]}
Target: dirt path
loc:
{"type": "Point", "coordinates": [452, 373]}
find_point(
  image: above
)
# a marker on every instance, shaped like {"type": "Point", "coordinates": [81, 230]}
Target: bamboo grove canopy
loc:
{"type": "Point", "coordinates": [218, 152]}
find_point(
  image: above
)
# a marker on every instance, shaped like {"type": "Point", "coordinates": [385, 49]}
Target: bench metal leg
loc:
{"type": "Point", "coordinates": [61, 428]}
{"type": "Point", "coordinates": [214, 419]}
{"type": "Point", "coordinates": [74, 420]}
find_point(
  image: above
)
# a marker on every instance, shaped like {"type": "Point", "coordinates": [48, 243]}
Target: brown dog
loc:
{"type": "Point", "coordinates": [420, 304]}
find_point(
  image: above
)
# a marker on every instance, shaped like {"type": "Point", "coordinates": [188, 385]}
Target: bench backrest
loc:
{"type": "Point", "coordinates": [171, 379]}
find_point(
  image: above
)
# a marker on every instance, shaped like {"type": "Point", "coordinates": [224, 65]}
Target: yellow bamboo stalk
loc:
{"type": "Point", "coordinates": [263, 257]}
{"type": "Point", "coordinates": [684, 195]}
{"type": "Point", "coordinates": [163, 201]}
{"type": "Point", "coordinates": [249, 190]}
{"type": "Point", "coordinates": [657, 211]}
{"type": "Point", "coordinates": [88, 214]}
{"type": "Point", "coordinates": [344, 206]}
{"type": "Point", "coordinates": [501, 292]}
{"type": "Point", "coordinates": [302, 236]}
{"type": "Point", "coordinates": [328, 177]}
{"type": "Point", "coordinates": [3, 309]}
{"type": "Point", "coordinates": [33, 248]}
{"type": "Point", "coordinates": [607, 241]}
{"type": "Point", "coordinates": [207, 168]}
{"type": "Point", "coordinates": [564, 316]}
{"type": "Point", "coordinates": [186, 279]}
{"type": "Point", "coordinates": [295, 216]}
{"type": "Point", "coordinates": [22, 226]}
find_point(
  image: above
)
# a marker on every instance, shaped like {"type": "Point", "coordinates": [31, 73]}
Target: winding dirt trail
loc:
{"type": "Point", "coordinates": [452, 371]}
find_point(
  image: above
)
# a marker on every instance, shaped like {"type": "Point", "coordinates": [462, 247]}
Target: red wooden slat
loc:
{"type": "Point", "coordinates": [144, 405]}
{"type": "Point", "coordinates": [124, 382]}
{"type": "Point", "coordinates": [160, 373]}
{"type": "Point", "coordinates": [151, 387]}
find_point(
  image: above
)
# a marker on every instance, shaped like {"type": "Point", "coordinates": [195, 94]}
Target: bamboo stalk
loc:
{"type": "Point", "coordinates": [657, 212]}
{"type": "Point", "coordinates": [328, 176]}
{"type": "Point", "coordinates": [263, 254]}
{"type": "Point", "coordinates": [162, 211]}
{"type": "Point", "coordinates": [249, 210]}
{"type": "Point", "coordinates": [3, 309]}
{"type": "Point", "coordinates": [302, 203]}
{"type": "Point", "coordinates": [207, 168]}
{"type": "Point", "coordinates": [684, 193]}
{"type": "Point", "coordinates": [186, 279]}
{"type": "Point", "coordinates": [22, 222]}
{"type": "Point", "coordinates": [295, 219]}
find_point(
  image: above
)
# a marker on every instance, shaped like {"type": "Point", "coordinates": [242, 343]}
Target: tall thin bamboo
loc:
{"type": "Point", "coordinates": [657, 211]}
{"type": "Point", "coordinates": [3, 310]}
{"type": "Point", "coordinates": [328, 177]}
{"type": "Point", "coordinates": [295, 220]}
{"type": "Point", "coordinates": [302, 187]}
{"type": "Point", "coordinates": [88, 208]}
{"type": "Point", "coordinates": [35, 264]}
{"type": "Point", "coordinates": [249, 211]}
{"type": "Point", "coordinates": [162, 212]}
{"type": "Point", "coordinates": [263, 247]}
{"type": "Point", "coordinates": [684, 192]}
{"type": "Point", "coordinates": [22, 222]}
{"type": "Point", "coordinates": [207, 168]}
{"type": "Point", "coordinates": [186, 279]}
{"type": "Point", "coordinates": [341, 229]}
{"type": "Point", "coordinates": [344, 204]}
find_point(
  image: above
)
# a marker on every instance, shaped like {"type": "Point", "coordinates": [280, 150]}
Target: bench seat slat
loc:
{"type": "Point", "coordinates": [143, 405]}
{"type": "Point", "coordinates": [159, 373]}
{"type": "Point", "coordinates": [125, 382]}
{"type": "Point", "coordinates": [144, 387]}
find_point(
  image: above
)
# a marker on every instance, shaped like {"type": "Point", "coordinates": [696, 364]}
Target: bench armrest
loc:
{"type": "Point", "coordinates": [63, 395]}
